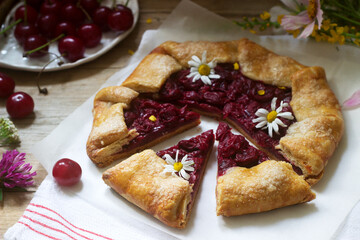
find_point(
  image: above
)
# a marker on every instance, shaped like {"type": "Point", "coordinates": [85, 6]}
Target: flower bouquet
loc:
{"type": "Point", "coordinates": [332, 21]}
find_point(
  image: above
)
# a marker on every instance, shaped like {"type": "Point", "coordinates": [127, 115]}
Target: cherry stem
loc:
{"type": "Point", "coordinates": [1, 194]}
{"type": "Point", "coordinates": [10, 26]}
{"type": "Point", "coordinates": [84, 11]}
{"type": "Point", "coordinates": [43, 46]}
{"type": "Point", "coordinates": [127, 2]}
{"type": "Point", "coordinates": [25, 12]}
{"type": "Point", "coordinates": [114, 4]}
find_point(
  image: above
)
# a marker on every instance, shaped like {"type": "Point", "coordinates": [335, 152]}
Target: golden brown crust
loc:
{"type": "Point", "coordinates": [140, 180]}
{"type": "Point", "coordinates": [109, 131]}
{"type": "Point", "coordinates": [269, 185]}
{"type": "Point", "coordinates": [311, 141]}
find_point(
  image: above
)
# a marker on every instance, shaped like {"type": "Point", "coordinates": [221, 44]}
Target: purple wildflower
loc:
{"type": "Point", "coordinates": [14, 172]}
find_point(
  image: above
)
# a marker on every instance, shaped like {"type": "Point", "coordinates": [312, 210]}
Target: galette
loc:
{"type": "Point", "coordinates": [165, 183]}
{"type": "Point", "coordinates": [286, 109]}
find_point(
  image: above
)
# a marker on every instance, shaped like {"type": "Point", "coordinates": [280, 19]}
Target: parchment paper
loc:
{"type": "Point", "coordinates": [337, 192]}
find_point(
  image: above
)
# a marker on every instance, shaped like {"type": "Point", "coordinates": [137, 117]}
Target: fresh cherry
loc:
{"type": "Point", "coordinates": [72, 48]}
{"type": "Point", "coordinates": [66, 28]}
{"type": "Point", "coordinates": [70, 12]}
{"type": "Point", "coordinates": [121, 19]}
{"type": "Point", "coordinates": [66, 172]}
{"type": "Point", "coordinates": [19, 105]}
{"type": "Point", "coordinates": [7, 85]}
{"type": "Point", "coordinates": [35, 41]}
{"type": "Point", "coordinates": [51, 7]}
{"type": "Point", "coordinates": [100, 17]}
{"type": "Point", "coordinates": [22, 31]}
{"type": "Point", "coordinates": [31, 14]}
{"type": "Point", "coordinates": [47, 24]}
{"type": "Point", "coordinates": [90, 34]}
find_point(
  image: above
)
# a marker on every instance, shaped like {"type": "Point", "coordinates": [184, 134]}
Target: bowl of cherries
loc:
{"type": "Point", "coordinates": [51, 35]}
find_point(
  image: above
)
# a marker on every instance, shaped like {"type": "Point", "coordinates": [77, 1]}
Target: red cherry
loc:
{"type": "Point", "coordinates": [121, 19]}
{"type": "Point", "coordinates": [66, 172]}
{"type": "Point", "coordinates": [100, 17]}
{"type": "Point", "coordinates": [72, 48]}
{"type": "Point", "coordinates": [7, 85]}
{"type": "Point", "coordinates": [19, 105]}
{"type": "Point", "coordinates": [47, 24]}
{"type": "Point", "coordinates": [50, 7]}
{"type": "Point", "coordinates": [22, 31]}
{"type": "Point", "coordinates": [33, 42]}
{"type": "Point", "coordinates": [90, 34]}
{"type": "Point", "coordinates": [34, 3]}
{"type": "Point", "coordinates": [31, 14]}
{"type": "Point", "coordinates": [70, 12]}
{"type": "Point", "coordinates": [65, 27]}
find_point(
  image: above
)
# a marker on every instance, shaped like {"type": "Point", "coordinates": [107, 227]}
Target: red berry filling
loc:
{"type": "Point", "coordinates": [197, 149]}
{"type": "Point", "coordinates": [153, 120]}
{"type": "Point", "coordinates": [234, 150]}
{"type": "Point", "coordinates": [234, 97]}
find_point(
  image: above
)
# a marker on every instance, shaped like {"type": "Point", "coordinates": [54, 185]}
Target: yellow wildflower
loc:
{"type": "Point", "coordinates": [265, 15]}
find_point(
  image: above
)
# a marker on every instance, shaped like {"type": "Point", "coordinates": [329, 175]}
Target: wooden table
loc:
{"type": "Point", "coordinates": [68, 89]}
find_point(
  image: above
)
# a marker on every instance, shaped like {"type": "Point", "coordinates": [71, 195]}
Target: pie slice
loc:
{"type": "Point", "coordinates": [165, 183]}
{"type": "Point", "coordinates": [249, 182]}
{"type": "Point", "coordinates": [125, 123]}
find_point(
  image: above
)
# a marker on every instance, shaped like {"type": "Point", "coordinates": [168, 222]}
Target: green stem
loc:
{"type": "Point", "coordinates": [10, 26]}
{"type": "Point", "coordinates": [1, 194]}
{"type": "Point", "coordinates": [345, 18]}
{"type": "Point", "coordinates": [127, 2]}
{"type": "Point", "coordinates": [43, 46]}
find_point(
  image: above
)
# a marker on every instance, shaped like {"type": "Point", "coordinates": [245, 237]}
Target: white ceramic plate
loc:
{"type": "Point", "coordinates": [11, 53]}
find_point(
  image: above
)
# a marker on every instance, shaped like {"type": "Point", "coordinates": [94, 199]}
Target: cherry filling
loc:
{"type": "Point", "coordinates": [234, 151]}
{"type": "Point", "coordinates": [234, 97]}
{"type": "Point", "coordinates": [153, 120]}
{"type": "Point", "coordinates": [197, 149]}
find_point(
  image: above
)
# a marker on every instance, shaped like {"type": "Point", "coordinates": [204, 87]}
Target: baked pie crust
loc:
{"type": "Point", "coordinates": [308, 143]}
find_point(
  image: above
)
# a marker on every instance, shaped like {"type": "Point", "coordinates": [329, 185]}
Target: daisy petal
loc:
{"type": "Point", "coordinates": [203, 57]}
{"type": "Point", "coordinates": [184, 174]}
{"type": "Point", "coordinates": [261, 112]}
{"type": "Point", "coordinates": [270, 128]}
{"type": "Point", "coordinates": [259, 119]}
{"type": "Point", "coordinates": [193, 63]}
{"type": "Point", "coordinates": [205, 80]}
{"type": "Point", "coordinates": [197, 77]}
{"type": "Point", "coordinates": [215, 76]}
{"type": "Point", "coordinates": [275, 127]}
{"type": "Point", "coordinates": [169, 159]}
{"type": "Point", "coordinates": [353, 101]}
{"type": "Point", "coordinates": [196, 59]}
{"type": "Point", "coordinates": [212, 64]}
{"type": "Point", "coordinates": [261, 124]}
{"type": "Point", "coordinates": [286, 115]}
{"type": "Point", "coordinates": [273, 103]}
{"type": "Point", "coordinates": [188, 168]}
{"type": "Point", "coordinates": [280, 123]}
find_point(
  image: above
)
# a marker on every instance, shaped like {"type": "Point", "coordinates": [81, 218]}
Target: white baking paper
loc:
{"type": "Point", "coordinates": [337, 192]}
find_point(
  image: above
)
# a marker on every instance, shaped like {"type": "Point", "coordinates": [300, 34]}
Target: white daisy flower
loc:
{"type": "Point", "coordinates": [174, 166]}
{"type": "Point", "coordinates": [270, 120]}
{"type": "Point", "coordinates": [200, 69]}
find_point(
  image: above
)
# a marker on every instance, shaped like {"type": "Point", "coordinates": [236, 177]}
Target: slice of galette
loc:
{"type": "Point", "coordinates": [125, 123]}
{"type": "Point", "coordinates": [249, 182]}
{"type": "Point", "coordinates": [165, 183]}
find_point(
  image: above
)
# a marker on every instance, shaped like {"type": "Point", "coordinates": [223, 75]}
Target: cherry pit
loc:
{"type": "Point", "coordinates": [39, 23]}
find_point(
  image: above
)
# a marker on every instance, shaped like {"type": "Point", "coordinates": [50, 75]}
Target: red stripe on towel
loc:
{"type": "Point", "coordinates": [47, 226]}
{"type": "Point", "coordinates": [27, 225]}
{"type": "Point", "coordinates": [87, 231]}
{"type": "Point", "coordinates": [55, 220]}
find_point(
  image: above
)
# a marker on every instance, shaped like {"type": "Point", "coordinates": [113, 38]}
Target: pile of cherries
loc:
{"type": "Point", "coordinates": [74, 24]}
{"type": "Point", "coordinates": [18, 104]}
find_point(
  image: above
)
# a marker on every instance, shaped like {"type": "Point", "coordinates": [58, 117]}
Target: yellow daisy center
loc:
{"type": "Point", "coordinates": [178, 166]}
{"type": "Point", "coordinates": [236, 66]}
{"type": "Point", "coordinates": [261, 92]}
{"type": "Point", "coordinates": [204, 69]}
{"type": "Point", "coordinates": [312, 8]}
{"type": "Point", "coordinates": [271, 116]}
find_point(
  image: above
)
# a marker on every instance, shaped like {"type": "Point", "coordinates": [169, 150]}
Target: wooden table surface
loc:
{"type": "Point", "coordinates": [68, 89]}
